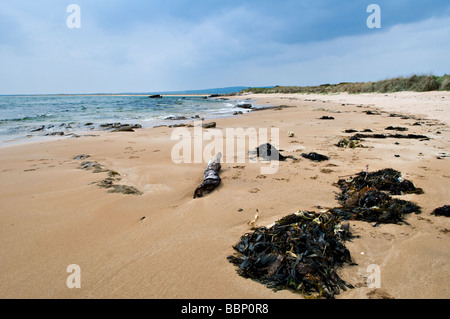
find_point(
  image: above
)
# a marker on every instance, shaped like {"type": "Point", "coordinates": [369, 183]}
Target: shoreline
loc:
{"type": "Point", "coordinates": [165, 244]}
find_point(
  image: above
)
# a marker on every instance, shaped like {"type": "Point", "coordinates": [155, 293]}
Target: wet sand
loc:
{"type": "Point", "coordinates": [165, 244]}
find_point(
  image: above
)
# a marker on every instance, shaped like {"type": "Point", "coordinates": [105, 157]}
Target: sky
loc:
{"type": "Point", "coordinates": [169, 45]}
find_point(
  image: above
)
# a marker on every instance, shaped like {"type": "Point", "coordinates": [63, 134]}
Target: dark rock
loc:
{"type": "Point", "coordinates": [181, 125]}
{"type": "Point", "coordinates": [243, 105]}
{"type": "Point", "coordinates": [209, 125]}
{"type": "Point", "coordinates": [119, 127]}
{"type": "Point", "coordinates": [176, 118]}
{"type": "Point", "coordinates": [38, 129]}
{"type": "Point", "coordinates": [123, 129]}
{"type": "Point", "coordinates": [350, 131]}
{"type": "Point", "coordinates": [155, 96]}
{"type": "Point", "coordinates": [326, 118]}
{"type": "Point", "coordinates": [55, 134]}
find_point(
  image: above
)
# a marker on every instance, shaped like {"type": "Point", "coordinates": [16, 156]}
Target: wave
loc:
{"type": "Point", "coordinates": [28, 118]}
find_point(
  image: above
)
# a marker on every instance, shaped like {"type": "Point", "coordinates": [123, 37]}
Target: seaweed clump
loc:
{"type": "Point", "coordinates": [301, 251]}
{"type": "Point", "coordinates": [345, 143]}
{"type": "Point", "coordinates": [442, 211]}
{"type": "Point", "coordinates": [367, 197]}
{"type": "Point", "coordinates": [316, 157]}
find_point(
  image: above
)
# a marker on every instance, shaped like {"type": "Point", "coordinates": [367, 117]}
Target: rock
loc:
{"type": "Point", "coordinates": [155, 96]}
{"type": "Point", "coordinates": [123, 129]}
{"type": "Point", "coordinates": [55, 134]}
{"type": "Point", "coordinates": [291, 134]}
{"type": "Point", "coordinates": [119, 127]}
{"type": "Point", "coordinates": [244, 105]}
{"type": "Point", "coordinates": [209, 125]}
{"type": "Point", "coordinates": [237, 113]}
{"type": "Point", "coordinates": [38, 129]}
{"type": "Point", "coordinates": [326, 118]}
{"type": "Point", "coordinates": [176, 118]}
{"type": "Point", "coordinates": [181, 125]}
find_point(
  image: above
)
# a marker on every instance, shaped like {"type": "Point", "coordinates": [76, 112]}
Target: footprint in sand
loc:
{"type": "Point", "coordinates": [254, 190]}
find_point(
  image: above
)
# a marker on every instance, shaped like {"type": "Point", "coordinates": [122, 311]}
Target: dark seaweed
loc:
{"type": "Point", "coordinates": [301, 252]}
{"type": "Point", "coordinates": [326, 118]}
{"type": "Point", "coordinates": [366, 197]}
{"type": "Point", "coordinates": [270, 153]}
{"type": "Point", "coordinates": [383, 136]}
{"type": "Point", "coordinates": [442, 211]}
{"type": "Point", "coordinates": [315, 157]}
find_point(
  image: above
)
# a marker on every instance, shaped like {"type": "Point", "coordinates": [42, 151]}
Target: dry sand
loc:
{"type": "Point", "coordinates": [52, 214]}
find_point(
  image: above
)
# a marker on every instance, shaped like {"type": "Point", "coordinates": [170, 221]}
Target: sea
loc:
{"type": "Point", "coordinates": [26, 117]}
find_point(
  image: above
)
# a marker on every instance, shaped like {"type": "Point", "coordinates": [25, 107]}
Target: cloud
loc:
{"type": "Point", "coordinates": [401, 50]}
{"type": "Point", "coordinates": [176, 45]}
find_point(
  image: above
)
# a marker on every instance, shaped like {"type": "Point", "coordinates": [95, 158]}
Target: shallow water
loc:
{"type": "Point", "coordinates": [25, 117]}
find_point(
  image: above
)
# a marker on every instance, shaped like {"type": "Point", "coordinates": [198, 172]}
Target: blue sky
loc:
{"type": "Point", "coordinates": [154, 45]}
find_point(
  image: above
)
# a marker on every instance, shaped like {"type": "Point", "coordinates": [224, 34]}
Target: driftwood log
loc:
{"type": "Point", "coordinates": [211, 177]}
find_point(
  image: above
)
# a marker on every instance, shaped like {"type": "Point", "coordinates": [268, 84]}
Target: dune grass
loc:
{"type": "Point", "coordinates": [416, 83]}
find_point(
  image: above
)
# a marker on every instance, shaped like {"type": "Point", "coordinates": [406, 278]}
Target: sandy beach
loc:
{"type": "Point", "coordinates": [165, 244]}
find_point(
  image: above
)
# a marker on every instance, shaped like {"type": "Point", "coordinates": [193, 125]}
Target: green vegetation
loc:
{"type": "Point", "coordinates": [417, 83]}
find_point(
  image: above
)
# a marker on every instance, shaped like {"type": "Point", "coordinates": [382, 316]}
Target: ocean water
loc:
{"type": "Point", "coordinates": [28, 117]}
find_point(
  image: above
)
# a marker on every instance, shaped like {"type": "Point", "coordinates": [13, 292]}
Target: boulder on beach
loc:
{"type": "Point", "coordinates": [244, 105]}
